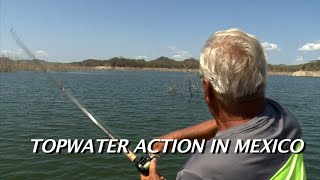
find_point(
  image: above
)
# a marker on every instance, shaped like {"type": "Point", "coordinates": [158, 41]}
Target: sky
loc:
{"type": "Point", "coordinates": [75, 30]}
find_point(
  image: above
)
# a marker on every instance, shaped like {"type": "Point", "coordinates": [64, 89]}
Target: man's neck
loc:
{"type": "Point", "coordinates": [238, 114]}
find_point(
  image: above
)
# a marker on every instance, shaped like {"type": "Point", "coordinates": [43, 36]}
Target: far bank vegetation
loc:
{"type": "Point", "coordinates": [9, 65]}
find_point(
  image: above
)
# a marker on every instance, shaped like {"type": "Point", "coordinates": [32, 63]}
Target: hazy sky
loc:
{"type": "Point", "coordinates": [74, 30]}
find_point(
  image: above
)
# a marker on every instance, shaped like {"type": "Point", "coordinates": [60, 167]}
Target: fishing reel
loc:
{"type": "Point", "coordinates": [143, 163]}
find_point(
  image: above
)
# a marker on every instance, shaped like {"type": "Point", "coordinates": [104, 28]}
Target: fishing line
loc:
{"type": "Point", "coordinates": [141, 162]}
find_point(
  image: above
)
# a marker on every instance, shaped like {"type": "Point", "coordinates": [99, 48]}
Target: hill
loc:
{"type": "Point", "coordinates": [7, 64]}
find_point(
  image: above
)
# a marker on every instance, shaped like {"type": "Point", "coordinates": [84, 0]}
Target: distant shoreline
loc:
{"type": "Point", "coordinates": [310, 69]}
{"type": "Point", "coordinates": [296, 73]}
{"type": "Point", "coordinates": [107, 68]}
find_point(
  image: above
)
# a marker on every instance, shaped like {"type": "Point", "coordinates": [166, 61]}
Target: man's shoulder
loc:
{"type": "Point", "coordinates": [275, 122]}
{"type": "Point", "coordinates": [279, 108]}
{"type": "Point", "coordinates": [284, 120]}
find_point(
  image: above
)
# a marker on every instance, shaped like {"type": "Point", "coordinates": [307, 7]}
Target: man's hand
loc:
{"type": "Point", "coordinates": [153, 173]}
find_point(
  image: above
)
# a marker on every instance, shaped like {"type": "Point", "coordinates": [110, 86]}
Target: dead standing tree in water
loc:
{"type": "Point", "coordinates": [193, 82]}
{"type": "Point", "coordinates": [193, 85]}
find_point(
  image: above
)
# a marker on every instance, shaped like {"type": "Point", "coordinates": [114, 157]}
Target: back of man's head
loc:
{"type": "Point", "coordinates": [234, 63]}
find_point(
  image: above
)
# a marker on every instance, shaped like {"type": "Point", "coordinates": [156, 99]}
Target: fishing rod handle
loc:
{"type": "Point", "coordinates": [143, 164]}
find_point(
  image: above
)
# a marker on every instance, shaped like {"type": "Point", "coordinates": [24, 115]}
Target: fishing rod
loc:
{"type": "Point", "coordinates": [141, 162]}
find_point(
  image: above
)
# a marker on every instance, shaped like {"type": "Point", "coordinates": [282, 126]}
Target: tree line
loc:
{"type": "Point", "coordinates": [8, 65]}
{"type": "Point", "coordinates": [161, 62]}
{"type": "Point", "coordinates": [310, 66]}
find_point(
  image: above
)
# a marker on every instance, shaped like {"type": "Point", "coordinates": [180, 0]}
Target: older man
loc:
{"type": "Point", "coordinates": [233, 65]}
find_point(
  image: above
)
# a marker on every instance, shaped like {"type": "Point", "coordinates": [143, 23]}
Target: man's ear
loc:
{"type": "Point", "coordinates": [211, 98]}
{"type": "Point", "coordinates": [208, 92]}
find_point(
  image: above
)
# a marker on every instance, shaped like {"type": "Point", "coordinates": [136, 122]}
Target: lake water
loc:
{"type": "Point", "coordinates": [135, 105]}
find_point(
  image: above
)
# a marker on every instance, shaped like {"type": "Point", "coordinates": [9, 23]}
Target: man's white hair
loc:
{"type": "Point", "coordinates": [235, 65]}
